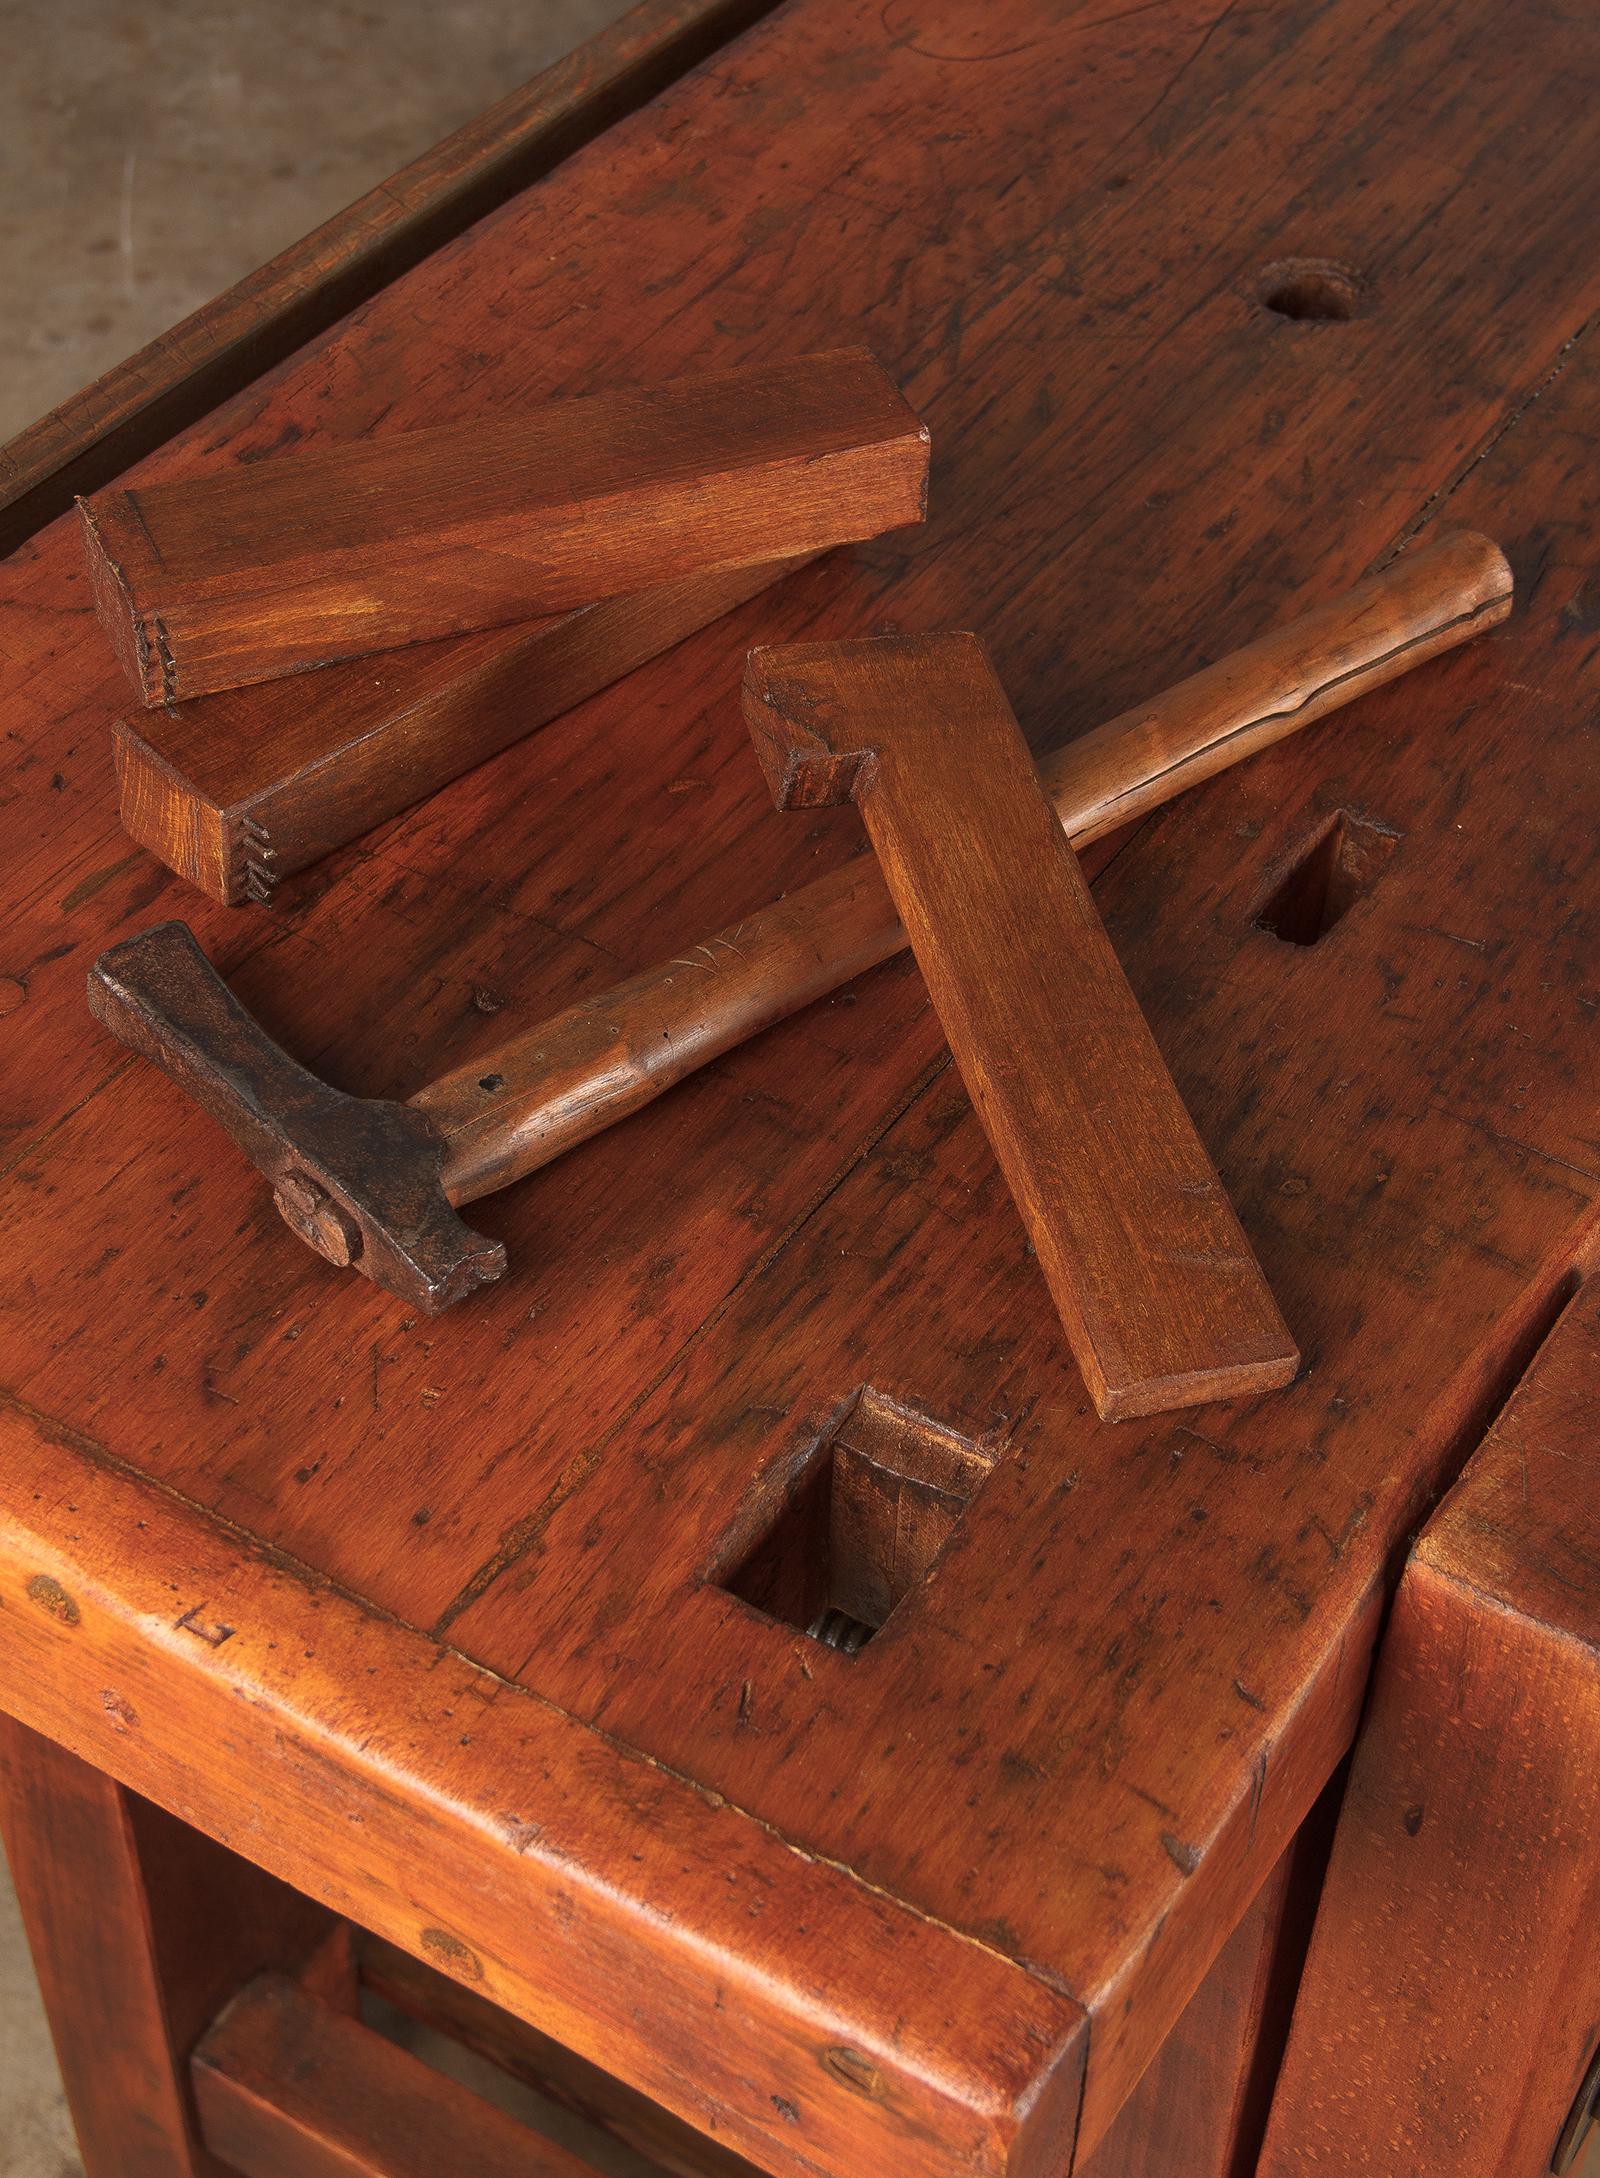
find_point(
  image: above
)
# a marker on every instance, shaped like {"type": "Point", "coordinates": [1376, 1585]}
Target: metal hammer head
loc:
{"type": "Point", "coordinates": [358, 1178]}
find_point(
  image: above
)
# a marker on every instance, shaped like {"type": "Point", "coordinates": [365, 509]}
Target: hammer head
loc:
{"type": "Point", "coordinates": [358, 1178]}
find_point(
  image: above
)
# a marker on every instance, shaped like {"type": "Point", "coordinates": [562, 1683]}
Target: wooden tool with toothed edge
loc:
{"type": "Point", "coordinates": [236, 791]}
{"type": "Point", "coordinates": [1162, 1301]}
{"type": "Point", "coordinates": [376, 1184]}
{"type": "Point", "coordinates": [259, 571]}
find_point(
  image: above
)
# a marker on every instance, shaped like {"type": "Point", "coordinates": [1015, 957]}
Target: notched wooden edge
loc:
{"type": "Point", "coordinates": [859, 2034]}
{"type": "Point", "coordinates": [802, 728]}
{"type": "Point", "coordinates": [238, 851]}
{"type": "Point", "coordinates": [785, 721]}
{"type": "Point", "coordinates": [114, 606]}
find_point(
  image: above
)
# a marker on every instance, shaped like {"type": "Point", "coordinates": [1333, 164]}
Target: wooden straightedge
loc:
{"type": "Point", "coordinates": [253, 572]}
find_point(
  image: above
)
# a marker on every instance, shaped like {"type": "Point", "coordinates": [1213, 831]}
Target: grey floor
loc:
{"type": "Point", "coordinates": [151, 152]}
{"type": "Point", "coordinates": [35, 2132]}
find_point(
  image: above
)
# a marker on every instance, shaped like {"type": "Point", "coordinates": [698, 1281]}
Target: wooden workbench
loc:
{"type": "Point", "coordinates": [439, 1621]}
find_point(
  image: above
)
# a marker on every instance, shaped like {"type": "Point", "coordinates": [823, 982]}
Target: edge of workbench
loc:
{"type": "Point", "coordinates": [774, 1998]}
{"type": "Point", "coordinates": [220, 348]}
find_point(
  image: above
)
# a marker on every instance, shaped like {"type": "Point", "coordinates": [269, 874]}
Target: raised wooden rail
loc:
{"type": "Point", "coordinates": [231, 340]}
{"type": "Point", "coordinates": [289, 2087]}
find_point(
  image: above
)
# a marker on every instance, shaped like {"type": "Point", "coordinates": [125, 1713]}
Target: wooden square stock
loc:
{"type": "Point", "coordinates": [259, 571]}
{"type": "Point", "coordinates": [236, 790]}
{"type": "Point", "coordinates": [1162, 1300]}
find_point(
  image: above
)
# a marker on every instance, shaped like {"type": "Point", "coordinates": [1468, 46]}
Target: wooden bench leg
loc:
{"type": "Point", "coordinates": [1200, 2109]}
{"type": "Point", "coordinates": [140, 1928]}
{"type": "Point", "coordinates": [1451, 2005]}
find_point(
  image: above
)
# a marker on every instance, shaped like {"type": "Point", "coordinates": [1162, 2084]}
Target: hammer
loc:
{"type": "Point", "coordinates": [375, 1183]}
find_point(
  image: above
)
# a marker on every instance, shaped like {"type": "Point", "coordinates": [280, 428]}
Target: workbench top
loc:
{"type": "Point", "coordinates": [443, 1619]}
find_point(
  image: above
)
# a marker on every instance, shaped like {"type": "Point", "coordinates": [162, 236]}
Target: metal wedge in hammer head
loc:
{"type": "Point", "coordinates": [358, 1178]}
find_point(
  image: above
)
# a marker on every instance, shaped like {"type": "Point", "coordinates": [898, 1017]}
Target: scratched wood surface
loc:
{"type": "Point", "coordinates": [1448, 2015]}
{"type": "Point", "coordinates": [1085, 1740]}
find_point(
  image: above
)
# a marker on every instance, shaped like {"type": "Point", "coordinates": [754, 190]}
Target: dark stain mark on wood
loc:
{"type": "Point", "coordinates": [451, 1954]}
{"type": "Point", "coordinates": [854, 2069]}
{"type": "Point", "coordinates": [1181, 1856]}
{"type": "Point", "coordinates": [50, 1596]}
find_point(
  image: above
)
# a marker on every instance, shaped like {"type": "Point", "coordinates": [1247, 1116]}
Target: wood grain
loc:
{"type": "Point", "coordinates": [533, 1098]}
{"type": "Point", "coordinates": [238, 790]}
{"type": "Point", "coordinates": [558, 2074]}
{"type": "Point", "coordinates": [594, 1893]}
{"type": "Point", "coordinates": [1450, 2005]}
{"type": "Point", "coordinates": [373, 1184]}
{"type": "Point", "coordinates": [1086, 1754]}
{"type": "Point", "coordinates": [1192, 2115]}
{"type": "Point", "coordinates": [256, 572]}
{"type": "Point", "coordinates": [139, 1929]}
{"type": "Point", "coordinates": [1161, 1299]}
{"type": "Point", "coordinates": [88, 439]}
{"type": "Point", "coordinates": [1451, 586]}
{"type": "Point", "coordinates": [287, 2087]}
{"type": "Point", "coordinates": [366, 1184]}
{"type": "Point", "coordinates": [66, 1829]}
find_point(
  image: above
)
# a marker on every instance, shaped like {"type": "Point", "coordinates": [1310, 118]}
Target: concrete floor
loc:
{"type": "Point", "coordinates": [35, 2132]}
{"type": "Point", "coordinates": [151, 152]}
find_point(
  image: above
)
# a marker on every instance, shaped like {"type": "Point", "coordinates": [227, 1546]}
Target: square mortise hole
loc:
{"type": "Point", "coordinates": [860, 1527]}
{"type": "Point", "coordinates": [1327, 878]}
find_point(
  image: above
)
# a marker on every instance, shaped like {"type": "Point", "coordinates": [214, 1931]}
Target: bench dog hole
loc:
{"type": "Point", "coordinates": [1310, 290]}
{"type": "Point", "coordinates": [1326, 879]}
{"type": "Point", "coordinates": [861, 1525]}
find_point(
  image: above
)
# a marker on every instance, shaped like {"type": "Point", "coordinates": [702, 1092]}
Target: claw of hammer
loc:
{"type": "Point", "coordinates": [358, 1178]}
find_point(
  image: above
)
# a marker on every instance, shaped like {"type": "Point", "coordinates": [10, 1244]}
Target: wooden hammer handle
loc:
{"type": "Point", "coordinates": [558, 1084]}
